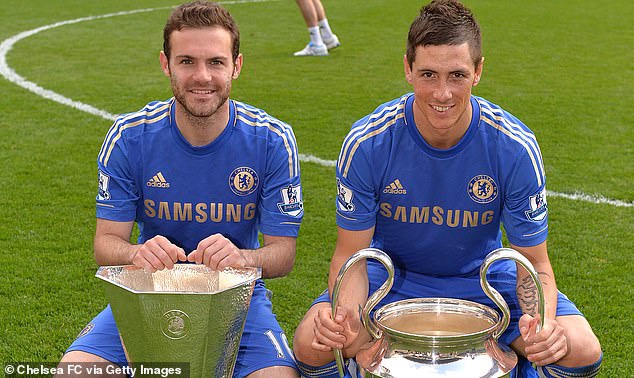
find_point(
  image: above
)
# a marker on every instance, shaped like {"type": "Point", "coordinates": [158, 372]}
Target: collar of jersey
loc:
{"type": "Point", "coordinates": [436, 152]}
{"type": "Point", "coordinates": [209, 148]}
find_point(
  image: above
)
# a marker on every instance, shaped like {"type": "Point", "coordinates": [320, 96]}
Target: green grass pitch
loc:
{"type": "Point", "coordinates": [564, 68]}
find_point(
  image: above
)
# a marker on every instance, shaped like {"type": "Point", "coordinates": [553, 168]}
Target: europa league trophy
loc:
{"type": "Point", "coordinates": [186, 315]}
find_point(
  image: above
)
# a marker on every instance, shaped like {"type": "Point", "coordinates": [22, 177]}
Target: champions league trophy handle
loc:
{"type": "Point", "coordinates": [373, 300]}
{"type": "Point", "coordinates": [507, 253]}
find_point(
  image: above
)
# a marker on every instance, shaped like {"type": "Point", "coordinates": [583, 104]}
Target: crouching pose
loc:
{"type": "Point", "coordinates": [203, 176]}
{"type": "Point", "coordinates": [429, 178]}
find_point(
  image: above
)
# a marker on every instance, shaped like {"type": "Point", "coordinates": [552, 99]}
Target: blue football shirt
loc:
{"type": "Point", "coordinates": [439, 212]}
{"type": "Point", "coordinates": [245, 181]}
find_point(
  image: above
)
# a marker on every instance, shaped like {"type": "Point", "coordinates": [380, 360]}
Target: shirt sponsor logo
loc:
{"type": "Point", "coordinates": [538, 207]}
{"type": "Point", "coordinates": [344, 198]}
{"type": "Point", "coordinates": [158, 181]}
{"type": "Point", "coordinates": [437, 215]}
{"type": "Point", "coordinates": [201, 212]}
{"type": "Point", "coordinates": [482, 189]}
{"type": "Point", "coordinates": [243, 181]}
{"type": "Point", "coordinates": [292, 203]}
{"type": "Point", "coordinates": [104, 181]}
{"type": "Point", "coordinates": [395, 188]}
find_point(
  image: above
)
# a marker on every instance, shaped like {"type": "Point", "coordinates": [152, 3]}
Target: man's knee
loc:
{"type": "Point", "coordinates": [303, 339]}
{"type": "Point", "coordinates": [584, 347]}
{"type": "Point", "coordinates": [586, 353]}
{"type": "Point", "coordinates": [584, 356]}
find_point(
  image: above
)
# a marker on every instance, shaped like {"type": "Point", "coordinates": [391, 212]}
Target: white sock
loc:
{"type": "Point", "coordinates": [315, 36]}
{"type": "Point", "coordinates": [326, 32]}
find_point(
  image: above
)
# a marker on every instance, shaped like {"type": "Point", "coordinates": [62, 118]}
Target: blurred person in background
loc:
{"type": "Point", "coordinates": [321, 36]}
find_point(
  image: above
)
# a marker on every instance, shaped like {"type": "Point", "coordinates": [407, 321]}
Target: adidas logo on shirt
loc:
{"type": "Point", "coordinates": [158, 181]}
{"type": "Point", "coordinates": [395, 188]}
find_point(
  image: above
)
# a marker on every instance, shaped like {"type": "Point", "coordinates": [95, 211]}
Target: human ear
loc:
{"type": "Point", "coordinates": [165, 67]}
{"type": "Point", "coordinates": [407, 69]}
{"type": "Point", "coordinates": [478, 72]}
{"type": "Point", "coordinates": [237, 67]}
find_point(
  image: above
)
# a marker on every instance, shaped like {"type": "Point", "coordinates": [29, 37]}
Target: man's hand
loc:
{"type": "Point", "coordinates": [217, 252]}
{"type": "Point", "coordinates": [546, 346]}
{"type": "Point", "coordinates": [332, 334]}
{"type": "Point", "coordinates": [158, 253]}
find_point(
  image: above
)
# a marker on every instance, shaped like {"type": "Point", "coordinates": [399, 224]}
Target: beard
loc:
{"type": "Point", "coordinates": [196, 109]}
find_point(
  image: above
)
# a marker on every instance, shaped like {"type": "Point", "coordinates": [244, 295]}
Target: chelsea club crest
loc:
{"type": "Point", "coordinates": [482, 189]}
{"type": "Point", "coordinates": [243, 181]}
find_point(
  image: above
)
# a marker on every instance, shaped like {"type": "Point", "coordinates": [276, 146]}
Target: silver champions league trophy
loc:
{"type": "Point", "coordinates": [435, 337]}
{"type": "Point", "coordinates": [189, 315]}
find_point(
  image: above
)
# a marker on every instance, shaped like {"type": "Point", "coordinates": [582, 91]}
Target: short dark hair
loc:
{"type": "Point", "coordinates": [445, 22]}
{"type": "Point", "coordinates": [198, 14]}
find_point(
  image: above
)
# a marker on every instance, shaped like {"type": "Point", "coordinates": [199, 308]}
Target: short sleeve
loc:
{"type": "Point", "coordinates": [525, 212]}
{"type": "Point", "coordinates": [282, 205]}
{"type": "Point", "coordinates": [118, 195]}
{"type": "Point", "coordinates": [356, 198]}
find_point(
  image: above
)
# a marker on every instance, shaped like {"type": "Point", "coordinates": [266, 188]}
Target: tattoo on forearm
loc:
{"type": "Point", "coordinates": [527, 296]}
{"type": "Point", "coordinates": [545, 275]}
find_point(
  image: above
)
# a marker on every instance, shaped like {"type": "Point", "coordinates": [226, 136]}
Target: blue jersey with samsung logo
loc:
{"type": "Point", "coordinates": [438, 212]}
{"type": "Point", "coordinates": [245, 181]}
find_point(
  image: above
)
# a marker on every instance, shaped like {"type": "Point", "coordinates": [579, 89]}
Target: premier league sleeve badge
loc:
{"type": "Point", "coordinates": [538, 207]}
{"type": "Point", "coordinates": [344, 198]}
{"type": "Point", "coordinates": [292, 203]}
{"type": "Point", "coordinates": [104, 183]}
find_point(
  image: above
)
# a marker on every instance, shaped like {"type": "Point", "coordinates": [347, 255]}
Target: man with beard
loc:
{"type": "Point", "coordinates": [202, 175]}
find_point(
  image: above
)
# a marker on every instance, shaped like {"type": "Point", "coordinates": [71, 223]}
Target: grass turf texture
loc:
{"type": "Point", "coordinates": [565, 70]}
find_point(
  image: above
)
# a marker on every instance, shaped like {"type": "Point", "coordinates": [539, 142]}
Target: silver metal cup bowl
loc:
{"type": "Point", "coordinates": [437, 337]}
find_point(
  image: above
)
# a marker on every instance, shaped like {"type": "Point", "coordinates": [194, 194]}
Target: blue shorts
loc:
{"type": "Point", "coordinates": [263, 343]}
{"type": "Point", "coordinates": [501, 276]}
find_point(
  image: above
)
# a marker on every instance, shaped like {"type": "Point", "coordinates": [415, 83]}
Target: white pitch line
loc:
{"type": "Point", "coordinates": [595, 198]}
{"type": "Point", "coordinates": [14, 77]}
